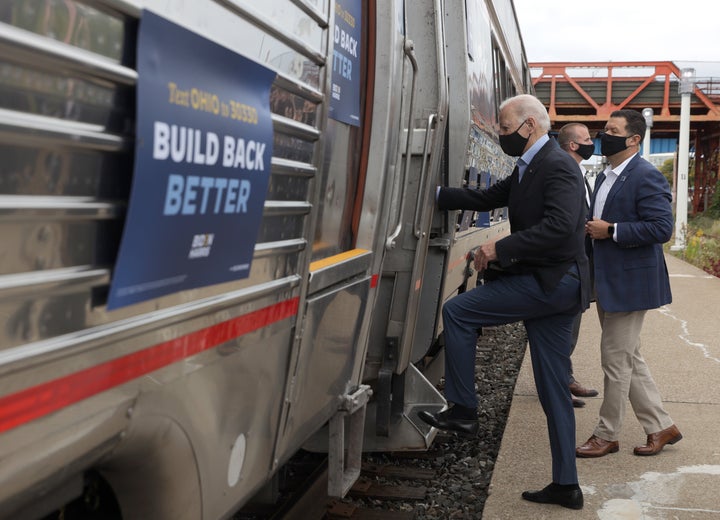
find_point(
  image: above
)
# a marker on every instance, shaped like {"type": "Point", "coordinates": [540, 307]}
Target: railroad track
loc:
{"type": "Point", "coordinates": [303, 496]}
{"type": "Point", "coordinates": [379, 484]}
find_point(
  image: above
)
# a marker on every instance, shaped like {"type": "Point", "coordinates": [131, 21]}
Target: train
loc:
{"type": "Point", "coordinates": [220, 239]}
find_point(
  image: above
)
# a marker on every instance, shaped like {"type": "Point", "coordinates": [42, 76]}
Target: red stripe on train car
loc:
{"type": "Point", "coordinates": [34, 402]}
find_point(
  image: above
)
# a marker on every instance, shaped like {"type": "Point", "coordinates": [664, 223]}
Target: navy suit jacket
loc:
{"type": "Point", "coordinates": [547, 218]}
{"type": "Point", "coordinates": [630, 274]}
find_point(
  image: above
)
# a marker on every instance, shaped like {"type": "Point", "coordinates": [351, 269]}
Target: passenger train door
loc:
{"type": "Point", "coordinates": [451, 67]}
{"type": "Point", "coordinates": [406, 297]}
{"type": "Point", "coordinates": [329, 346]}
{"type": "Point", "coordinates": [371, 234]}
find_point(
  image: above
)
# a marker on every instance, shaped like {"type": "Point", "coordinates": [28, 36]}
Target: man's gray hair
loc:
{"type": "Point", "coordinates": [524, 106]}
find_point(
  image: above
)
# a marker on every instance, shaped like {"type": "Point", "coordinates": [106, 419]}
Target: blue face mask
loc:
{"type": "Point", "coordinates": [514, 144]}
{"type": "Point", "coordinates": [612, 144]}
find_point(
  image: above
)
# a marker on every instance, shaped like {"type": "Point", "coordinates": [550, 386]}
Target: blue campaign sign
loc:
{"type": "Point", "coordinates": [202, 165]}
{"type": "Point", "coordinates": [345, 95]}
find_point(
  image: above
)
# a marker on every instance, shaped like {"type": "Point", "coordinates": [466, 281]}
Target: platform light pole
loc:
{"type": "Point", "coordinates": [687, 85]}
{"type": "Point", "coordinates": [648, 114]}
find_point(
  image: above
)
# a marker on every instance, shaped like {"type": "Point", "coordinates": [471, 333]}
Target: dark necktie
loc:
{"type": "Point", "coordinates": [588, 195]}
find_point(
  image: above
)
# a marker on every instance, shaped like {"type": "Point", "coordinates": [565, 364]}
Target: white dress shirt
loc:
{"type": "Point", "coordinates": [611, 175]}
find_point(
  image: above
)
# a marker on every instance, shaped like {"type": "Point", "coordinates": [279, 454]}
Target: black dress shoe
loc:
{"type": "Point", "coordinates": [578, 403]}
{"type": "Point", "coordinates": [445, 421]}
{"type": "Point", "coordinates": [555, 494]}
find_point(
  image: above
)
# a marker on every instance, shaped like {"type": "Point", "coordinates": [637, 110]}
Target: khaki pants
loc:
{"type": "Point", "coordinates": [627, 376]}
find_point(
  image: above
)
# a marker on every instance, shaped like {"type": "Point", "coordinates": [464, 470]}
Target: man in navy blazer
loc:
{"type": "Point", "coordinates": [540, 277]}
{"type": "Point", "coordinates": [632, 218]}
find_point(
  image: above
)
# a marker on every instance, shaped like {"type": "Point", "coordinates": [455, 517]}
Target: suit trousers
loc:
{"type": "Point", "coordinates": [573, 343]}
{"type": "Point", "coordinates": [548, 319]}
{"type": "Point", "coordinates": [627, 376]}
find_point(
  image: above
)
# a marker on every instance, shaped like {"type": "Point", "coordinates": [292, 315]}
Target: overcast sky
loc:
{"type": "Point", "coordinates": [684, 31]}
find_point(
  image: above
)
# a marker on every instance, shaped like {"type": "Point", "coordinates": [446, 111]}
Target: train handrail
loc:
{"type": "Point", "coordinates": [60, 57]}
{"type": "Point", "coordinates": [409, 49]}
{"type": "Point", "coordinates": [24, 129]}
{"type": "Point", "coordinates": [423, 177]}
{"type": "Point", "coordinates": [299, 88]}
{"type": "Point", "coordinates": [425, 205]}
{"type": "Point", "coordinates": [443, 97]}
{"type": "Point", "coordinates": [293, 128]}
{"type": "Point", "coordinates": [312, 12]}
{"type": "Point", "coordinates": [284, 208]}
{"type": "Point", "coordinates": [57, 208]}
{"type": "Point", "coordinates": [317, 57]}
{"type": "Point", "coordinates": [20, 284]}
{"type": "Point", "coordinates": [289, 167]}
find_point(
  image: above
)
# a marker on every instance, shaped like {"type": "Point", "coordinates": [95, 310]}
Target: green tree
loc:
{"type": "Point", "coordinates": [668, 166]}
{"type": "Point", "coordinates": [713, 210]}
{"type": "Point", "coordinates": [667, 170]}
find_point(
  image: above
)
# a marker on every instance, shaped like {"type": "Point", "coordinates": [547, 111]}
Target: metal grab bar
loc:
{"type": "Point", "coordinates": [423, 177]}
{"type": "Point", "coordinates": [443, 96]}
{"type": "Point", "coordinates": [54, 56]}
{"type": "Point", "coordinates": [409, 49]}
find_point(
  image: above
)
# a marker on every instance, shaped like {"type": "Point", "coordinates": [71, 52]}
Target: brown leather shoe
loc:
{"type": "Point", "coordinates": [656, 441]}
{"type": "Point", "coordinates": [578, 403]}
{"type": "Point", "coordinates": [596, 447]}
{"type": "Point", "coordinates": [579, 390]}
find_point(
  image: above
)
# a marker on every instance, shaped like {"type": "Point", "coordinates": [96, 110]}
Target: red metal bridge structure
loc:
{"type": "Point", "coordinates": [587, 92]}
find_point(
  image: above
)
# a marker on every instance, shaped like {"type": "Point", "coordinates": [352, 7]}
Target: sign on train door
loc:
{"type": "Point", "coordinates": [346, 72]}
{"type": "Point", "coordinates": [202, 164]}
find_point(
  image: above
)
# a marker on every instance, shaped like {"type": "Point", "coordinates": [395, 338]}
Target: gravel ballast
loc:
{"type": "Point", "coordinates": [464, 467]}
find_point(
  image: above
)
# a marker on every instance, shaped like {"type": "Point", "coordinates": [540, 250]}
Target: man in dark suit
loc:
{"type": "Point", "coordinates": [632, 218]}
{"type": "Point", "coordinates": [540, 277]}
{"type": "Point", "coordinates": [575, 139]}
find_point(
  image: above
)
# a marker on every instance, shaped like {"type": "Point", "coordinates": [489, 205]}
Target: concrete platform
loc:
{"type": "Point", "coordinates": [681, 344]}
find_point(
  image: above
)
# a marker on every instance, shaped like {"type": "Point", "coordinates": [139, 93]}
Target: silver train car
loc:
{"type": "Point", "coordinates": [186, 404]}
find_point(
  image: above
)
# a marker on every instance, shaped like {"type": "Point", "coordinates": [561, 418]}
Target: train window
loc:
{"type": "Point", "coordinates": [333, 231]}
{"type": "Point", "coordinates": [341, 179]}
{"type": "Point", "coordinates": [527, 79]}
{"type": "Point", "coordinates": [479, 69]}
{"type": "Point", "coordinates": [502, 78]}
{"type": "Point", "coordinates": [498, 80]}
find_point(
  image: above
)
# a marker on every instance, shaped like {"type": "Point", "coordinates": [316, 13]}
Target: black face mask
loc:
{"type": "Point", "coordinates": [514, 144]}
{"type": "Point", "coordinates": [612, 144]}
{"type": "Point", "coordinates": [585, 150]}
